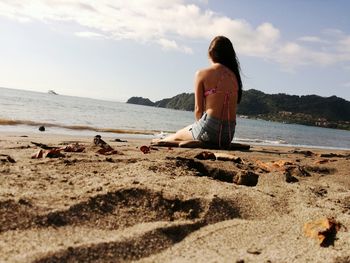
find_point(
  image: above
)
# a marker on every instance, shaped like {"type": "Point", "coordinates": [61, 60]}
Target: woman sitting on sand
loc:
{"type": "Point", "coordinates": [218, 90]}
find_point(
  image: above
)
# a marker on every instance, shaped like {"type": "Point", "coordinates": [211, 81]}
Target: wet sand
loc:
{"type": "Point", "coordinates": [169, 205]}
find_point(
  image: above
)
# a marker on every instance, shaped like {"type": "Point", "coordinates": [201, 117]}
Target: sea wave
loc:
{"type": "Point", "coordinates": [261, 141]}
{"type": "Point", "coordinates": [9, 122]}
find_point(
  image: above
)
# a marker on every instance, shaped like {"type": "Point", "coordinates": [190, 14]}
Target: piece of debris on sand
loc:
{"type": "Point", "coordinates": [7, 158]}
{"type": "Point", "coordinates": [106, 149]}
{"type": "Point", "coordinates": [207, 155]}
{"type": "Point", "coordinates": [323, 230]}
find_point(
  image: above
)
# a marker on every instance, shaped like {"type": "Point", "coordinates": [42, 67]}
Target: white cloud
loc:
{"type": "Point", "coordinates": [292, 54]}
{"type": "Point", "coordinates": [313, 39]}
{"type": "Point", "coordinates": [172, 24]}
{"type": "Point", "coordinates": [88, 34]}
{"type": "Point", "coordinates": [344, 45]}
{"type": "Point", "coordinates": [172, 45]}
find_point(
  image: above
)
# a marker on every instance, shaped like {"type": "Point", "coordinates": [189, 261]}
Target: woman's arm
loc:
{"type": "Point", "coordinates": [198, 95]}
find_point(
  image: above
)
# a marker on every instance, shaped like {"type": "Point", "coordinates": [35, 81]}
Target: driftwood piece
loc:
{"type": "Point", "coordinates": [7, 158]}
{"type": "Point", "coordinates": [43, 146]}
{"type": "Point", "coordinates": [228, 157]}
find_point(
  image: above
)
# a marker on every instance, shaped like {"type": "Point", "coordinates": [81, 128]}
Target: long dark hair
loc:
{"type": "Point", "coordinates": [221, 51]}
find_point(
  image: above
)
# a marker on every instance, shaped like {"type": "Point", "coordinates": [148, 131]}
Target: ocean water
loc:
{"type": "Point", "coordinates": [26, 110]}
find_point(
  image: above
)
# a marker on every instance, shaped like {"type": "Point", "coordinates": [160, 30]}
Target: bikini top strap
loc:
{"type": "Point", "coordinates": [224, 73]}
{"type": "Point", "coordinates": [214, 90]}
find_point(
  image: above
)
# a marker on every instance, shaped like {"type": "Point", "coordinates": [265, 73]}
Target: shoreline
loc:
{"type": "Point", "coordinates": [168, 205]}
{"type": "Point", "coordinates": [137, 134]}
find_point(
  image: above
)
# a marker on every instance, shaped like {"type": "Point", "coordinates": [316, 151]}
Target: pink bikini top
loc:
{"type": "Point", "coordinates": [215, 90]}
{"type": "Point", "coordinates": [226, 100]}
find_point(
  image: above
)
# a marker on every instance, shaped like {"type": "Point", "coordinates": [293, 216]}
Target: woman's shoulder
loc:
{"type": "Point", "coordinates": [205, 71]}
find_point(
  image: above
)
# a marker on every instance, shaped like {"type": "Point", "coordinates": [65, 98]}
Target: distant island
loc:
{"type": "Point", "coordinates": [312, 110]}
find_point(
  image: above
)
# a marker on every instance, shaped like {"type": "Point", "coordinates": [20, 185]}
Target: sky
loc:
{"type": "Point", "coordinates": [116, 49]}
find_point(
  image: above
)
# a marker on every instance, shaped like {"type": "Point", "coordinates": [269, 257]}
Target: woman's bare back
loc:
{"type": "Point", "coordinates": [218, 82]}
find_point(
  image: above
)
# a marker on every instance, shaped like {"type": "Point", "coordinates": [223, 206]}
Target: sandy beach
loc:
{"type": "Point", "coordinates": [80, 204]}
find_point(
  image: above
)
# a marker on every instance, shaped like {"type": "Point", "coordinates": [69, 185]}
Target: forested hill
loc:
{"type": "Point", "coordinates": [183, 101]}
{"type": "Point", "coordinates": [333, 112]}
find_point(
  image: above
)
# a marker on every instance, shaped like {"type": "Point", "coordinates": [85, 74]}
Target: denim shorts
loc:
{"type": "Point", "coordinates": [207, 130]}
